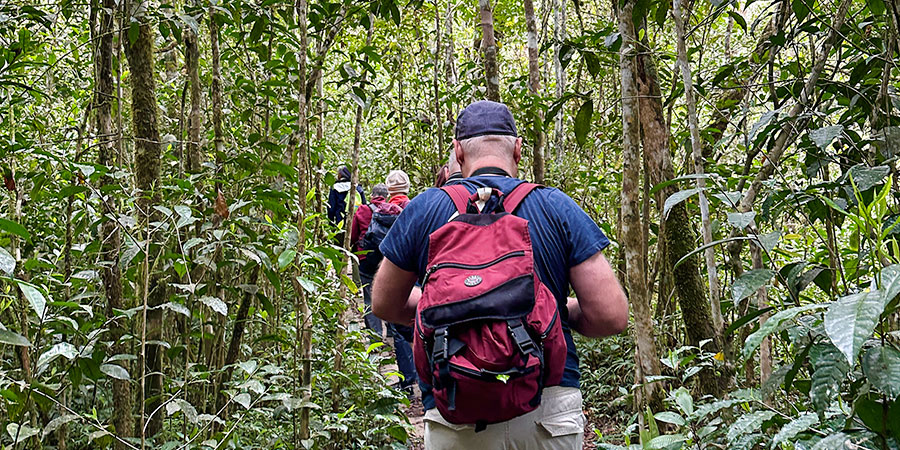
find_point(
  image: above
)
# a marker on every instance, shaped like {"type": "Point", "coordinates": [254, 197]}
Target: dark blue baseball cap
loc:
{"type": "Point", "coordinates": [483, 118]}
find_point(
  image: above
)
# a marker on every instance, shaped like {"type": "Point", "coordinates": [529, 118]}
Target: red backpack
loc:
{"type": "Point", "coordinates": [488, 335]}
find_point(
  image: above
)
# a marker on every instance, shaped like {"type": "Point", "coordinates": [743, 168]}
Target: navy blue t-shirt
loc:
{"type": "Point", "coordinates": [562, 236]}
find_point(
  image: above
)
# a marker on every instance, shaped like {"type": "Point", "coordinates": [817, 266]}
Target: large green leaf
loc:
{"type": "Point", "coordinates": [890, 282]}
{"type": "Point", "coordinates": [835, 441]}
{"type": "Point", "coordinates": [677, 198]}
{"type": "Point", "coordinates": [772, 324]}
{"type": "Point", "coordinates": [851, 319]}
{"type": "Point", "coordinates": [8, 337]}
{"type": "Point", "coordinates": [823, 136]}
{"type": "Point", "coordinates": [35, 299]}
{"type": "Point", "coordinates": [830, 368]}
{"type": "Point", "coordinates": [882, 366]}
{"type": "Point", "coordinates": [14, 228]}
{"type": "Point", "coordinates": [866, 177]}
{"type": "Point", "coordinates": [747, 423]}
{"type": "Point", "coordinates": [795, 427]}
{"type": "Point", "coordinates": [583, 121]}
{"type": "Point", "coordinates": [7, 262]}
{"type": "Point", "coordinates": [749, 283]}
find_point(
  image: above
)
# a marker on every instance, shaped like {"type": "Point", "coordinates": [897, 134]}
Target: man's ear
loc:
{"type": "Point", "coordinates": [458, 151]}
{"type": "Point", "coordinates": [517, 150]}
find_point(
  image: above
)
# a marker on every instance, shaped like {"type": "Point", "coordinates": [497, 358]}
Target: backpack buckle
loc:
{"type": "Point", "coordinates": [440, 345]}
{"type": "Point", "coordinates": [521, 337]}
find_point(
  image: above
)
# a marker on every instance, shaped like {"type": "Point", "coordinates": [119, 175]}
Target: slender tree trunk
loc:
{"type": "Point", "coordinates": [534, 89]}
{"type": "Point", "coordinates": [351, 208]}
{"type": "Point", "coordinates": [109, 229]}
{"type": "Point", "coordinates": [489, 46]}
{"type": "Point", "coordinates": [147, 149]}
{"type": "Point", "coordinates": [762, 299]}
{"type": "Point", "coordinates": [647, 363]}
{"type": "Point", "coordinates": [303, 325]}
{"type": "Point", "coordinates": [449, 50]}
{"type": "Point", "coordinates": [216, 96]}
{"type": "Point", "coordinates": [438, 119]}
{"type": "Point", "coordinates": [192, 64]}
{"type": "Point", "coordinates": [699, 168]}
{"type": "Point", "coordinates": [559, 31]}
{"type": "Point", "coordinates": [234, 346]}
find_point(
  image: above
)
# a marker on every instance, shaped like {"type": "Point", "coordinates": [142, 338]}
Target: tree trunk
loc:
{"type": "Point", "coordinates": [234, 346]}
{"type": "Point", "coordinates": [109, 229]}
{"type": "Point", "coordinates": [647, 360]}
{"type": "Point", "coordinates": [449, 50]}
{"type": "Point", "coordinates": [192, 64]}
{"type": "Point", "coordinates": [351, 205]}
{"type": "Point", "coordinates": [216, 96]}
{"type": "Point", "coordinates": [303, 325]}
{"type": "Point", "coordinates": [699, 168]}
{"type": "Point", "coordinates": [534, 88]}
{"type": "Point", "coordinates": [489, 46]}
{"type": "Point", "coordinates": [146, 169]}
{"type": "Point", "coordinates": [762, 300]}
{"type": "Point", "coordinates": [438, 119]}
{"type": "Point", "coordinates": [559, 31]}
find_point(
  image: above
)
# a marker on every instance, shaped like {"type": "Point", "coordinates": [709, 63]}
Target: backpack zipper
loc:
{"type": "Point", "coordinates": [470, 266]}
{"type": "Point", "coordinates": [550, 327]}
{"type": "Point", "coordinates": [487, 375]}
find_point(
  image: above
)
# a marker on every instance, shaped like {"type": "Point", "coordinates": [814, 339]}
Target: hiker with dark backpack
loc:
{"type": "Point", "coordinates": [496, 257]}
{"type": "Point", "coordinates": [370, 225]}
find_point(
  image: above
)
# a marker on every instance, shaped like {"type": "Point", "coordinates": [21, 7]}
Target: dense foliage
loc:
{"type": "Point", "coordinates": [168, 277]}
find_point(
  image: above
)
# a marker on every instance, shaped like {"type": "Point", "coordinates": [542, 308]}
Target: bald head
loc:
{"type": "Point", "coordinates": [499, 151]}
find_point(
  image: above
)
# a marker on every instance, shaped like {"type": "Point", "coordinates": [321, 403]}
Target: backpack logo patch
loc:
{"type": "Point", "coordinates": [473, 280]}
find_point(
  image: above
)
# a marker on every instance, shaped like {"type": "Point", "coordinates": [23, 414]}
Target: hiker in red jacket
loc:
{"type": "Point", "coordinates": [361, 221]}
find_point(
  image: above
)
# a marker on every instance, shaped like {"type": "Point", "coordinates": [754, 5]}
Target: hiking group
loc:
{"type": "Point", "coordinates": [473, 279]}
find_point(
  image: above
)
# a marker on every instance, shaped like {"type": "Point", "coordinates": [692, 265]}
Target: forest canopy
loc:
{"type": "Point", "coordinates": [169, 277]}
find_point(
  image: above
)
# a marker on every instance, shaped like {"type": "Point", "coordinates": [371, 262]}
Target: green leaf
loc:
{"type": "Point", "coordinates": [768, 241]}
{"type": "Point", "coordinates": [7, 262]}
{"type": "Point", "coordinates": [876, 6]}
{"type": "Point", "coordinates": [243, 399]}
{"type": "Point", "coordinates": [714, 407]}
{"type": "Point", "coordinates": [8, 337]}
{"type": "Point", "coordinates": [14, 228]}
{"type": "Point", "coordinates": [795, 427]}
{"type": "Point", "coordinates": [800, 9]}
{"type": "Point", "coordinates": [866, 177]}
{"type": "Point", "coordinates": [20, 433]}
{"type": "Point", "coordinates": [115, 371]}
{"type": "Point", "coordinates": [684, 401]}
{"type": "Point", "coordinates": [830, 368]}
{"type": "Point", "coordinates": [746, 319]}
{"type": "Point", "coordinates": [583, 121]}
{"type": "Point", "coordinates": [833, 442]}
{"type": "Point", "coordinates": [215, 304]}
{"type": "Point", "coordinates": [747, 423]}
{"type": "Point", "coordinates": [851, 319]}
{"type": "Point", "coordinates": [882, 366]}
{"type": "Point", "coordinates": [890, 283]}
{"type": "Point", "coordinates": [739, 19]}
{"type": "Point", "coordinates": [772, 324]}
{"type": "Point", "coordinates": [669, 417]}
{"type": "Point", "coordinates": [749, 283]}
{"type": "Point", "coordinates": [35, 299]}
{"type": "Point", "coordinates": [63, 349]}
{"type": "Point", "coordinates": [711, 244]}
{"type": "Point", "coordinates": [677, 198]}
{"type": "Point", "coordinates": [741, 220]}
{"type": "Point", "coordinates": [823, 136]}
{"type": "Point", "coordinates": [665, 441]}
{"type": "Point", "coordinates": [286, 257]}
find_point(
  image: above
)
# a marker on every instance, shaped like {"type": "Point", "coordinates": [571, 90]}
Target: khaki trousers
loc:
{"type": "Point", "coordinates": [557, 424]}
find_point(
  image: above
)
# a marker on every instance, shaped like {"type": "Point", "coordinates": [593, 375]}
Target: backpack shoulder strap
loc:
{"type": "Point", "coordinates": [512, 200]}
{"type": "Point", "coordinates": [459, 195]}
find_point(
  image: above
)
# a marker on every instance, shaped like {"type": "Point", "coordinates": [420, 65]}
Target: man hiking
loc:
{"type": "Point", "coordinates": [337, 197]}
{"type": "Point", "coordinates": [554, 240]}
{"type": "Point", "coordinates": [370, 225]}
{"type": "Point", "coordinates": [368, 264]}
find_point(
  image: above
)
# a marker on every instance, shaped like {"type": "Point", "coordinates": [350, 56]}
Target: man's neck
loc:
{"type": "Point", "coordinates": [506, 166]}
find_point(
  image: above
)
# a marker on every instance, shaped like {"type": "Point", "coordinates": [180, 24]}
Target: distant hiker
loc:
{"type": "Point", "coordinates": [337, 198]}
{"type": "Point", "coordinates": [496, 257]}
{"type": "Point", "coordinates": [398, 187]}
{"type": "Point", "coordinates": [364, 241]}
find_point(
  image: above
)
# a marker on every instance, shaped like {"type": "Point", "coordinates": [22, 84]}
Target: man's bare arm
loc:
{"type": "Point", "coordinates": [393, 296]}
{"type": "Point", "coordinates": [600, 307]}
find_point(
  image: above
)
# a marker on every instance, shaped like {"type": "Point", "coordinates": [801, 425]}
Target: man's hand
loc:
{"type": "Point", "coordinates": [600, 308]}
{"type": "Point", "coordinates": [393, 296]}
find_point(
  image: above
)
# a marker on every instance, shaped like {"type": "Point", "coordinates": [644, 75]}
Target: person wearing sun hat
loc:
{"type": "Point", "coordinates": [397, 183]}
{"type": "Point", "coordinates": [567, 246]}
